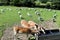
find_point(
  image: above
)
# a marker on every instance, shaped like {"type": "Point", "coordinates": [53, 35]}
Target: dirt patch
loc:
{"type": "Point", "coordinates": [48, 25]}
{"type": "Point", "coordinates": [8, 35]}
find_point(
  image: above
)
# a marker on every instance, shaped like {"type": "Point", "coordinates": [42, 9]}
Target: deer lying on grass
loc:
{"type": "Point", "coordinates": [27, 27]}
{"type": "Point", "coordinates": [18, 29]}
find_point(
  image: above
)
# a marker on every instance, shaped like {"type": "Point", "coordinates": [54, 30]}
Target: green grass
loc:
{"type": "Point", "coordinates": [11, 17]}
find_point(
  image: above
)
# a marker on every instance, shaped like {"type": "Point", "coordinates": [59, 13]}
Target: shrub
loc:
{"type": "Point", "coordinates": [37, 3]}
{"type": "Point", "coordinates": [48, 4]}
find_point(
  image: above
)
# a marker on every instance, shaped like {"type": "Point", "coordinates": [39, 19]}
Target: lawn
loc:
{"type": "Point", "coordinates": [10, 16]}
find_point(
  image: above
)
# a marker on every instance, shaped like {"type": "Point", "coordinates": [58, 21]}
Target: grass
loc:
{"type": "Point", "coordinates": [11, 16]}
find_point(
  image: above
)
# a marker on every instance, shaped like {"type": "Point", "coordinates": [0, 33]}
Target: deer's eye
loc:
{"type": "Point", "coordinates": [32, 28]}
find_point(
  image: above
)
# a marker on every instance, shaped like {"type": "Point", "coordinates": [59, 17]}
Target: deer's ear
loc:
{"type": "Point", "coordinates": [36, 25]}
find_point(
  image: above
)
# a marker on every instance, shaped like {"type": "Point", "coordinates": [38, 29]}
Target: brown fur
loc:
{"type": "Point", "coordinates": [28, 27]}
{"type": "Point", "coordinates": [25, 24]}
